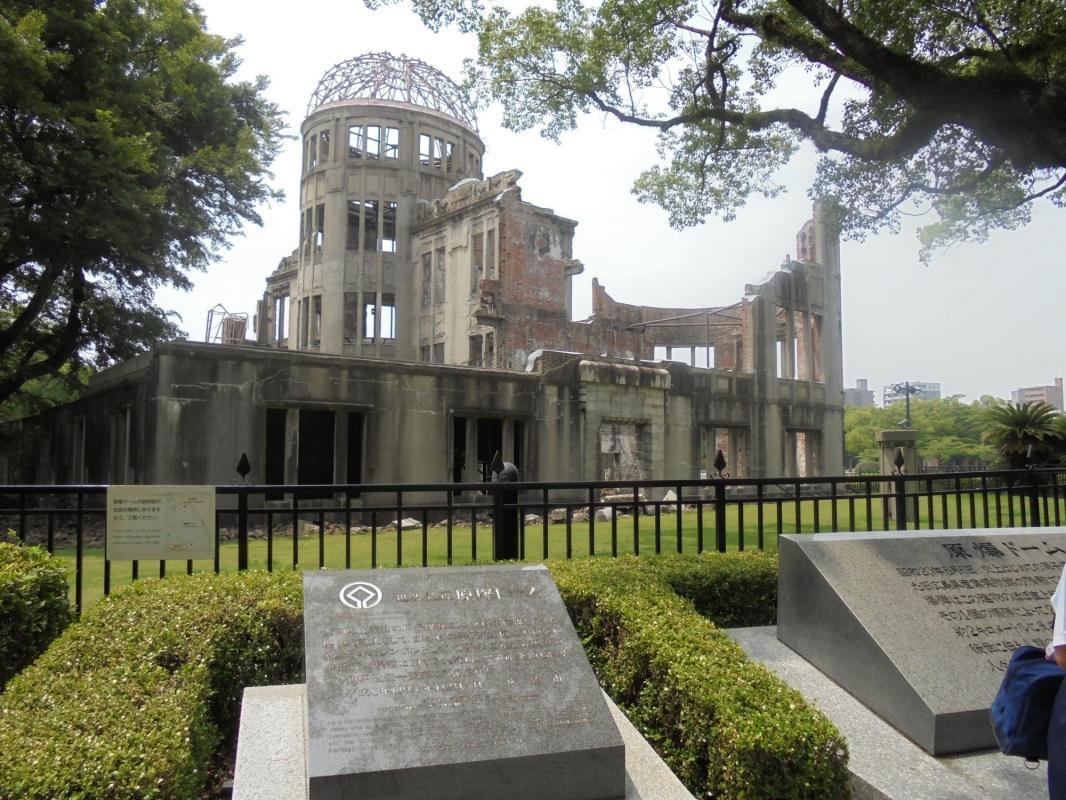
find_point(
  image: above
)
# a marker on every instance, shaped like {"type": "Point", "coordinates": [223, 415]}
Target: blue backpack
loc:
{"type": "Point", "coordinates": [1022, 708]}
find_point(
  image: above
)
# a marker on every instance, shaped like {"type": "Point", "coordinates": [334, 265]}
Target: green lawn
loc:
{"type": "Point", "coordinates": [628, 534]}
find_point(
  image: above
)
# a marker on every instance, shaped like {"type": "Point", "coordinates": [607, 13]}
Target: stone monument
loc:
{"type": "Point", "coordinates": [452, 684]}
{"type": "Point", "coordinates": [919, 626]}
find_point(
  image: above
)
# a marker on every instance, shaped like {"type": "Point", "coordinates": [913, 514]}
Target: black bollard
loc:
{"type": "Point", "coordinates": [505, 514]}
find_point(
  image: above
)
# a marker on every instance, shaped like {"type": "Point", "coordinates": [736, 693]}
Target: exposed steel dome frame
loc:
{"type": "Point", "coordinates": [383, 76]}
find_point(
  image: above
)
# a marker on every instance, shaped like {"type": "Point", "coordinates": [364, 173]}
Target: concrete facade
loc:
{"type": "Point", "coordinates": [424, 322]}
{"type": "Point", "coordinates": [1052, 395]}
{"type": "Point", "coordinates": [862, 395]}
{"type": "Point", "coordinates": [185, 412]}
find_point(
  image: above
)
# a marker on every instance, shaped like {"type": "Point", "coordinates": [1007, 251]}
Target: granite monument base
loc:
{"type": "Point", "coordinates": [452, 683]}
{"type": "Point", "coordinates": [919, 625]}
{"type": "Point", "coordinates": [884, 764]}
{"type": "Point", "coordinates": [271, 761]}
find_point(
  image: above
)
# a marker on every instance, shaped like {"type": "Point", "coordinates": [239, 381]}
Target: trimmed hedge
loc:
{"type": "Point", "coordinates": [33, 605]}
{"type": "Point", "coordinates": [136, 699]}
{"type": "Point", "coordinates": [141, 697]}
{"type": "Point", "coordinates": [737, 590]}
{"type": "Point", "coordinates": [725, 725]}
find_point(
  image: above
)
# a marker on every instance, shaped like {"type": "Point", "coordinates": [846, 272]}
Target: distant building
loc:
{"type": "Point", "coordinates": [896, 392]}
{"type": "Point", "coordinates": [861, 395]}
{"type": "Point", "coordinates": [1052, 395]}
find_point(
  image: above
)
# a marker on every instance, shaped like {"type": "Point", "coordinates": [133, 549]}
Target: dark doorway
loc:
{"type": "Point", "coordinates": [458, 448]}
{"type": "Point", "coordinates": [355, 447]}
{"type": "Point", "coordinates": [489, 442]}
{"type": "Point", "coordinates": [315, 462]}
{"type": "Point", "coordinates": [519, 452]}
{"type": "Point", "coordinates": [274, 452]}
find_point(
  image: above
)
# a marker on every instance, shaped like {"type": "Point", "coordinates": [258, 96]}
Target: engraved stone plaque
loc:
{"type": "Point", "coordinates": [919, 626]}
{"type": "Point", "coordinates": [452, 682]}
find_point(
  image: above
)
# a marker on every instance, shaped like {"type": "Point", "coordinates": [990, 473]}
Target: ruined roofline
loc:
{"type": "Point", "coordinates": [399, 79]}
{"type": "Point", "coordinates": [471, 192]}
{"type": "Point", "coordinates": [640, 317]}
{"type": "Point", "coordinates": [371, 104]}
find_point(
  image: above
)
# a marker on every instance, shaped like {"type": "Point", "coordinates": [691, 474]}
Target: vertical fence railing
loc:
{"type": "Point", "coordinates": [422, 524]}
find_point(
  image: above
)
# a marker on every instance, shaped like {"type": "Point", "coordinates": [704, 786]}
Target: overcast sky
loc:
{"type": "Point", "coordinates": [982, 319]}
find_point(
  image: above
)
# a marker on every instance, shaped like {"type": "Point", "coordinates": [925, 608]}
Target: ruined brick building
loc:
{"type": "Point", "coordinates": [424, 322]}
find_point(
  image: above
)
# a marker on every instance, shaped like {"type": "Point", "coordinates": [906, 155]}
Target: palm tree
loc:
{"type": "Point", "coordinates": [1023, 433]}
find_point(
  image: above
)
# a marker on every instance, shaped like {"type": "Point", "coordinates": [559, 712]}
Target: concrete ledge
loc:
{"type": "Point", "coordinates": [884, 764]}
{"type": "Point", "coordinates": [272, 741]}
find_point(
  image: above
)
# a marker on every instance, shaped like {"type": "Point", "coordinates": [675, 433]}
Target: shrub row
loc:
{"type": "Point", "coordinates": [736, 590]}
{"type": "Point", "coordinates": [136, 699]}
{"type": "Point", "coordinates": [725, 725]}
{"type": "Point", "coordinates": [33, 605]}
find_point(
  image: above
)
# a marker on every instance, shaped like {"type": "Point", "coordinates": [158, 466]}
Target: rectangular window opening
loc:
{"type": "Point", "coordinates": [388, 228]}
{"type": "Point", "coordinates": [351, 241]}
{"type": "Point", "coordinates": [490, 253]}
{"type": "Point", "coordinates": [475, 350]}
{"type": "Point", "coordinates": [490, 350]}
{"type": "Point", "coordinates": [449, 150]}
{"type": "Point", "coordinates": [373, 141]}
{"type": "Point", "coordinates": [388, 316]}
{"type": "Point", "coordinates": [438, 153]}
{"type": "Point", "coordinates": [369, 316]}
{"type": "Point", "coordinates": [392, 143]}
{"type": "Point", "coordinates": [312, 151]}
{"type": "Point", "coordinates": [323, 147]}
{"type": "Point", "coordinates": [427, 279]}
{"type": "Point", "coordinates": [439, 281]}
{"type": "Point", "coordinates": [355, 141]}
{"type": "Point", "coordinates": [425, 145]}
{"type": "Point", "coordinates": [477, 260]}
{"type": "Point", "coordinates": [316, 320]}
{"type": "Point", "coordinates": [370, 225]}
{"type": "Point", "coordinates": [281, 318]}
{"type": "Point", "coordinates": [320, 227]}
{"type": "Point", "coordinates": [308, 231]}
{"type": "Point", "coordinates": [351, 309]}
{"type": "Point", "coordinates": [438, 353]}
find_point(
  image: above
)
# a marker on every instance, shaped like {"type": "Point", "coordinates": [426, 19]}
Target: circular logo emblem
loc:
{"type": "Point", "coordinates": [360, 595]}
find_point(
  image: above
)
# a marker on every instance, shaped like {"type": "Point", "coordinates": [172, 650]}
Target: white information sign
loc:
{"type": "Point", "coordinates": [160, 522]}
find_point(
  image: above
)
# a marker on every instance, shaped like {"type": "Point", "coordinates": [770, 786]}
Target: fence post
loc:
{"type": "Point", "coordinates": [719, 515]}
{"type": "Point", "coordinates": [1034, 500]}
{"type": "Point", "coordinates": [504, 524]}
{"type": "Point", "coordinates": [901, 503]}
{"type": "Point", "coordinates": [505, 530]}
{"type": "Point", "coordinates": [242, 531]}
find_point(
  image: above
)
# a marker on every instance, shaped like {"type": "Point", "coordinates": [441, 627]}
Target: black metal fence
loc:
{"type": "Point", "coordinates": [296, 527]}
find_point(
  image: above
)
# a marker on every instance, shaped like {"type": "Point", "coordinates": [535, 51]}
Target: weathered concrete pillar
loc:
{"type": "Point", "coordinates": [789, 367]}
{"type": "Point", "coordinates": [890, 442]}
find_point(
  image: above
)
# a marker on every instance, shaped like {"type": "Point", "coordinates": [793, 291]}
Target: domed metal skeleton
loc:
{"type": "Point", "coordinates": [383, 76]}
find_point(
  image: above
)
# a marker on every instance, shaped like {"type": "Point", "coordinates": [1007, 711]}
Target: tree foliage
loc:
{"type": "Point", "coordinates": [1024, 433]}
{"type": "Point", "coordinates": [128, 153]}
{"type": "Point", "coordinates": [956, 106]}
{"type": "Point", "coordinates": [949, 432]}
